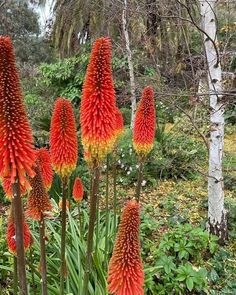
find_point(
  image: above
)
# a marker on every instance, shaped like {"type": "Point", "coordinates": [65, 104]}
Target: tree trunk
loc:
{"type": "Point", "coordinates": [217, 222]}
{"type": "Point", "coordinates": [130, 64]}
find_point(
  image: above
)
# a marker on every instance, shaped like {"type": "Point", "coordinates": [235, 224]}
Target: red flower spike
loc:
{"type": "Point", "coordinates": [16, 142]}
{"type": "Point", "coordinates": [44, 162]}
{"type": "Point", "coordinates": [78, 190]}
{"type": "Point", "coordinates": [11, 235]}
{"type": "Point", "coordinates": [63, 138]}
{"type": "Point", "coordinates": [7, 187]}
{"type": "Point", "coordinates": [144, 123]}
{"type": "Point", "coordinates": [38, 201]}
{"type": "Point", "coordinates": [126, 275]}
{"type": "Point", "coordinates": [119, 123]}
{"type": "Point", "coordinates": [97, 112]}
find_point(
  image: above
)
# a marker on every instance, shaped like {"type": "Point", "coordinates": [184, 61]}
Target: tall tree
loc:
{"type": "Point", "coordinates": [217, 222]}
{"type": "Point", "coordinates": [130, 62]}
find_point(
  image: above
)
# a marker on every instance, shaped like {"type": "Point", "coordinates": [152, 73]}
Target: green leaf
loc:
{"type": "Point", "coordinates": [189, 283]}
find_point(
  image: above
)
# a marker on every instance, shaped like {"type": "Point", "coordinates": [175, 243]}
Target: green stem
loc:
{"type": "Point", "coordinates": [107, 209]}
{"type": "Point", "coordinates": [63, 236]}
{"type": "Point", "coordinates": [97, 225]}
{"type": "Point", "coordinates": [140, 179]}
{"type": "Point", "coordinates": [43, 255]}
{"type": "Point", "coordinates": [114, 191]}
{"type": "Point", "coordinates": [18, 219]}
{"type": "Point", "coordinates": [92, 218]}
{"type": "Point", "coordinates": [15, 280]}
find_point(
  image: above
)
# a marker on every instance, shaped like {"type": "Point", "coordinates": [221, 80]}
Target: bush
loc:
{"type": "Point", "coordinates": [173, 156]}
{"type": "Point", "coordinates": [178, 262]}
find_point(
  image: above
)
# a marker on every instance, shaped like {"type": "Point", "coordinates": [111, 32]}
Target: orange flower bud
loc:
{"type": "Point", "coordinates": [78, 190]}
{"type": "Point", "coordinates": [126, 275]}
{"type": "Point", "coordinates": [144, 123]}
{"type": "Point", "coordinates": [97, 112]}
{"type": "Point", "coordinates": [63, 138]}
{"type": "Point", "coordinates": [16, 142]}
{"type": "Point", "coordinates": [43, 159]}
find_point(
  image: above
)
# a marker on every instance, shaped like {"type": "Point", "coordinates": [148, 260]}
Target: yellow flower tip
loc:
{"type": "Point", "coordinates": [143, 149]}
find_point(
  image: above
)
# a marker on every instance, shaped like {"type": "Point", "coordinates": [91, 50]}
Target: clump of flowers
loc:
{"type": "Point", "coordinates": [38, 201]}
{"type": "Point", "coordinates": [144, 124]}
{"type": "Point", "coordinates": [16, 142]}
{"type": "Point", "coordinates": [78, 190]}
{"type": "Point", "coordinates": [125, 274]}
{"type": "Point", "coordinates": [98, 110]}
{"type": "Point", "coordinates": [44, 163]}
{"type": "Point", "coordinates": [63, 138]}
{"type": "Point", "coordinates": [11, 234]}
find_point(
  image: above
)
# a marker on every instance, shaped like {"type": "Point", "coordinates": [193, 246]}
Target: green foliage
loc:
{"type": "Point", "coordinates": [126, 113]}
{"type": "Point", "coordinates": [66, 76]}
{"type": "Point", "coordinates": [178, 262]}
{"type": "Point", "coordinates": [173, 156]}
{"type": "Point", "coordinates": [77, 225]}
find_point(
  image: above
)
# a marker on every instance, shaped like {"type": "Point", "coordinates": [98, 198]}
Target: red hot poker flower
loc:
{"type": "Point", "coordinates": [7, 187]}
{"type": "Point", "coordinates": [126, 275]}
{"type": "Point", "coordinates": [11, 235]}
{"type": "Point", "coordinates": [144, 123]}
{"type": "Point", "coordinates": [78, 190]}
{"type": "Point", "coordinates": [16, 142]}
{"type": "Point", "coordinates": [38, 201]}
{"type": "Point", "coordinates": [63, 138]}
{"type": "Point", "coordinates": [44, 162]}
{"type": "Point", "coordinates": [97, 113]}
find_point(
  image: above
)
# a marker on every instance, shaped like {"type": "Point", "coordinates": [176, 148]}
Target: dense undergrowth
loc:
{"type": "Point", "coordinates": [179, 256]}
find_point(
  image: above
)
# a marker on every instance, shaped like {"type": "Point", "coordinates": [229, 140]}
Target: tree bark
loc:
{"type": "Point", "coordinates": [217, 221]}
{"type": "Point", "coordinates": [130, 64]}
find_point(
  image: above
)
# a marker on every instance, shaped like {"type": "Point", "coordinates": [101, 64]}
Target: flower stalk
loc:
{"type": "Point", "coordinates": [139, 182]}
{"type": "Point", "coordinates": [18, 218]}
{"type": "Point", "coordinates": [107, 209]}
{"type": "Point", "coordinates": [43, 262]}
{"type": "Point", "coordinates": [92, 219]}
{"type": "Point", "coordinates": [63, 235]}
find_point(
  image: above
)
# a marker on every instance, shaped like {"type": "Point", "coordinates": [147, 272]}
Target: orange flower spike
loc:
{"type": "Point", "coordinates": [11, 235]}
{"type": "Point", "coordinates": [38, 201]}
{"type": "Point", "coordinates": [44, 162]}
{"type": "Point", "coordinates": [97, 112]}
{"type": "Point", "coordinates": [78, 190]}
{"type": "Point", "coordinates": [63, 138]}
{"type": "Point", "coordinates": [125, 273]}
{"type": "Point", "coordinates": [7, 187]}
{"type": "Point", "coordinates": [16, 142]}
{"type": "Point", "coordinates": [144, 123]}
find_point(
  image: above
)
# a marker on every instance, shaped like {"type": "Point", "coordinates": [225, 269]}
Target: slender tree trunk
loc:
{"type": "Point", "coordinates": [217, 222]}
{"type": "Point", "coordinates": [18, 219]}
{"type": "Point", "coordinates": [130, 63]}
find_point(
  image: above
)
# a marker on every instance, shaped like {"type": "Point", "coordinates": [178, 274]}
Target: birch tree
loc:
{"type": "Point", "coordinates": [217, 222]}
{"type": "Point", "coordinates": [130, 63]}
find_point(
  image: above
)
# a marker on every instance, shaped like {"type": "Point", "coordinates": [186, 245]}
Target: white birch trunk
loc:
{"type": "Point", "coordinates": [130, 64]}
{"type": "Point", "coordinates": [217, 222]}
